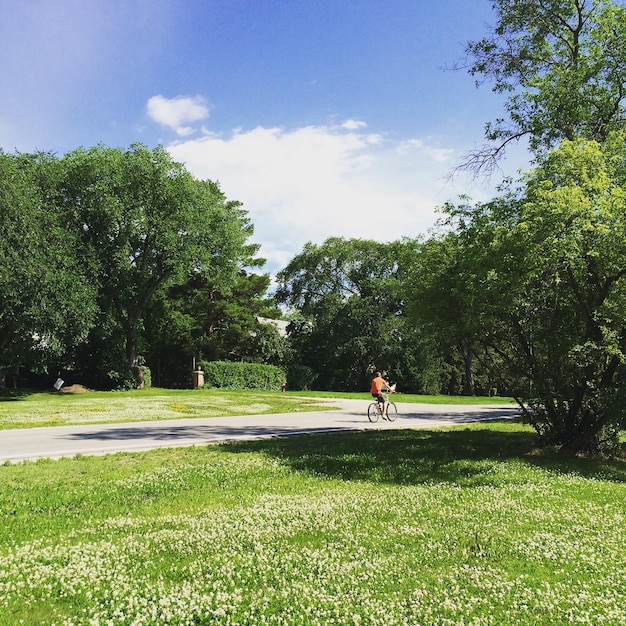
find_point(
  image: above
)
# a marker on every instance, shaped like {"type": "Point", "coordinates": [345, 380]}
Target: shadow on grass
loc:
{"type": "Point", "coordinates": [9, 395]}
{"type": "Point", "coordinates": [459, 456]}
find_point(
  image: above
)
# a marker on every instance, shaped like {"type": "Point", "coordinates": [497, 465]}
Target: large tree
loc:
{"type": "Point", "coordinates": [561, 65]}
{"type": "Point", "coordinates": [148, 223]}
{"type": "Point", "coordinates": [205, 319]}
{"type": "Point", "coordinates": [350, 307]}
{"type": "Point", "coordinates": [46, 303]}
{"type": "Point", "coordinates": [441, 301]}
{"type": "Point", "coordinates": [549, 260]}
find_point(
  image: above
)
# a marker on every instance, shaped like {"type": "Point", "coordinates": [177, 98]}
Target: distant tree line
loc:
{"type": "Point", "coordinates": [114, 259]}
{"type": "Point", "coordinates": [352, 319]}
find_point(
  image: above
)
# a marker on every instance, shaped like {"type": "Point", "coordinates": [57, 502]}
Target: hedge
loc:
{"type": "Point", "coordinates": [234, 375]}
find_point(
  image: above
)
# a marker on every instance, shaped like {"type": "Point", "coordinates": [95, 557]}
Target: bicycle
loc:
{"type": "Point", "coordinates": [375, 410]}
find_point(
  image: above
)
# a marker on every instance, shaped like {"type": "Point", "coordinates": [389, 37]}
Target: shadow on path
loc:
{"type": "Point", "coordinates": [452, 416]}
{"type": "Point", "coordinates": [201, 433]}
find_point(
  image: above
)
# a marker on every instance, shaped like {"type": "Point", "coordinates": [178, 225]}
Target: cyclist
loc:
{"type": "Point", "coordinates": [378, 384]}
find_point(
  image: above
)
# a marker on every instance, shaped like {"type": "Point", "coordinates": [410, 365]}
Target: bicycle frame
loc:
{"type": "Point", "coordinates": [375, 409]}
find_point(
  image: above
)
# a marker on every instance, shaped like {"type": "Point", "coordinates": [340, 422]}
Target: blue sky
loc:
{"type": "Point", "coordinates": [324, 117]}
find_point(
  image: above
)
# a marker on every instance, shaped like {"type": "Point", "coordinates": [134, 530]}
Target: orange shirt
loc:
{"type": "Point", "coordinates": [378, 384]}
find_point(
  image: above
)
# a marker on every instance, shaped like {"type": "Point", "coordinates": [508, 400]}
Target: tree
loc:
{"type": "Point", "coordinates": [550, 260]}
{"type": "Point", "coordinates": [206, 319]}
{"type": "Point", "coordinates": [562, 64]}
{"type": "Point", "coordinates": [146, 224]}
{"type": "Point", "coordinates": [441, 302]}
{"type": "Point", "coordinates": [46, 303]}
{"type": "Point", "coordinates": [350, 304]}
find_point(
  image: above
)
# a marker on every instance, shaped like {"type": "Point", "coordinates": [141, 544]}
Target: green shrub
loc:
{"type": "Point", "coordinates": [231, 375]}
{"type": "Point", "coordinates": [300, 377]}
{"type": "Point", "coordinates": [122, 378]}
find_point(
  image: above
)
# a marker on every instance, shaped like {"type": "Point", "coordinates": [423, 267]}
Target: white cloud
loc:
{"type": "Point", "coordinates": [311, 183]}
{"type": "Point", "coordinates": [353, 124]}
{"type": "Point", "coordinates": [176, 112]}
{"type": "Point", "coordinates": [439, 155]}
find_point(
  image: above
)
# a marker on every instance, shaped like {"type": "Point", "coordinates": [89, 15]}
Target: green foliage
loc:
{"type": "Point", "coordinates": [544, 291]}
{"type": "Point", "coordinates": [147, 223]}
{"type": "Point", "coordinates": [299, 377]}
{"type": "Point", "coordinates": [91, 245]}
{"type": "Point", "coordinates": [203, 316]}
{"type": "Point", "coordinates": [349, 319]}
{"type": "Point", "coordinates": [562, 65]}
{"type": "Point", "coordinates": [136, 377]}
{"type": "Point", "coordinates": [442, 299]}
{"type": "Point", "coordinates": [234, 375]}
{"type": "Point", "coordinates": [46, 302]}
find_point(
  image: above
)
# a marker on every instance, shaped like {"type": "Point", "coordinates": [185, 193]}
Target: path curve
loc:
{"type": "Point", "coordinates": [67, 441]}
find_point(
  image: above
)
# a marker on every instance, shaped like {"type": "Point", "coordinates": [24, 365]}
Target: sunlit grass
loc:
{"type": "Point", "coordinates": [25, 409]}
{"type": "Point", "coordinates": [408, 397]}
{"type": "Point", "coordinates": [54, 409]}
{"type": "Point", "coordinates": [458, 526]}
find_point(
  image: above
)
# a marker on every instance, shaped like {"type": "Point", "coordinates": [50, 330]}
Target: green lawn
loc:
{"type": "Point", "coordinates": [407, 397]}
{"type": "Point", "coordinates": [23, 409]}
{"type": "Point", "coordinates": [470, 525]}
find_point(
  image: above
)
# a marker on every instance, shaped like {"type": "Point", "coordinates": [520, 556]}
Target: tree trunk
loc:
{"type": "Point", "coordinates": [469, 388]}
{"type": "Point", "coordinates": [585, 440]}
{"type": "Point", "coordinates": [131, 343]}
{"type": "Point", "coordinates": [131, 350]}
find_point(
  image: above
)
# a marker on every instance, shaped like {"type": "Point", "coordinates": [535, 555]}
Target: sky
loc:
{"type": "Point", "coordinates": [325, 118]}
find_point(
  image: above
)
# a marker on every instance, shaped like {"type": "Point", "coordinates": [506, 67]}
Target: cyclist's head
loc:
{"type": "Point", "coordinates": [377, 374]}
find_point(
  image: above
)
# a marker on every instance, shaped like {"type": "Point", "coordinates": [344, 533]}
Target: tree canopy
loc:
{"type": "Point", "coordinates": [546, 295]}
{"type": "Point", "coordinates": [148, 223]}
{"type": "Point", "coordinates": [89, 240]}
{"type": "Point", "coordinates": [47, 304]}
{"type": "Point", "coordinates": [350, 318]}
{"type": "Point", "coordinates": [561, 65]}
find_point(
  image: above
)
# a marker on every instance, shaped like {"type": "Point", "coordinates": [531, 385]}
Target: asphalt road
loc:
{"type": "Point", "coordinates": [67, 441]}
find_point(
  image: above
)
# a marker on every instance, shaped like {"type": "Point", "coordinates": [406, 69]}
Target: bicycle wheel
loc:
{"type": "Point", "coordinates": [373, 412]}
{"type": "Point", "coordinates": [392, 411]}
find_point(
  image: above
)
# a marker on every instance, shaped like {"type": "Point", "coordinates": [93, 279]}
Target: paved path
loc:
{"type": "Point", "coordinates": [63, 441]}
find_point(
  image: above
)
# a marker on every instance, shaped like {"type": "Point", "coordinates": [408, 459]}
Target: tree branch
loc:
{"type": "Point", "coordinates": [485, 160]}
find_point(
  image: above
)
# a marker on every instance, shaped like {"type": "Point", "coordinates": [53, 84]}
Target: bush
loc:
{"type": "Point", "coordinates": [300, 377]}
{"type": "Point", "coordinates": [231, 375]}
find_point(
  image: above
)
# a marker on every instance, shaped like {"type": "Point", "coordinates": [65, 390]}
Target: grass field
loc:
{"type": "Point", "coordinates": [407, 397]}
{"type": "Point", "coordinates": [23, 409]}
{"type": "Point", "coordinates": [472, 525]}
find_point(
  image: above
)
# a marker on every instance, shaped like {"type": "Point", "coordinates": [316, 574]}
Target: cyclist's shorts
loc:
{"type": "Point", "coordinates": [379, 397]}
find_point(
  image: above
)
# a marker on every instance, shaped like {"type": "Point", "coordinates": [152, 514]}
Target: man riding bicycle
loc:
{"type": "Point", "coordinates": [378, 384]}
